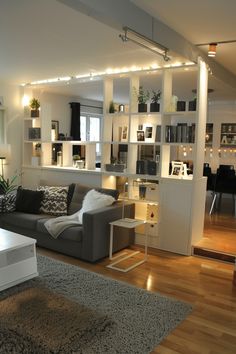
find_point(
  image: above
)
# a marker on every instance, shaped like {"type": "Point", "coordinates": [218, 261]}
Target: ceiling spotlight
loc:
{"type": "Point", "coordinates": [212, 50]}
{"type": "Point", "coordinates": [212, 46]}
{"type": "Point", "coordinates": [142, 41]}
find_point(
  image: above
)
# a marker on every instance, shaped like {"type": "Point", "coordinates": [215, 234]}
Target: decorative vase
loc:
{"type": "Point", "coordinates": [79, 164]}
{"type": "Point", "coordinates": [34, 113]}
{"type": "Point", "coordinates": [154, 107]}
{"type": "Point", "coordinates": [142, 107]}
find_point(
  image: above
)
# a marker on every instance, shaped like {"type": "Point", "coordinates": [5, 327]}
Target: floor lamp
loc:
{"type": "Point", "coordinates": [5, 150]}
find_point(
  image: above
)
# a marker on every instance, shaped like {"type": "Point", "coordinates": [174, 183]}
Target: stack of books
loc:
{"type": "Point", "coordinates": [180, 133]}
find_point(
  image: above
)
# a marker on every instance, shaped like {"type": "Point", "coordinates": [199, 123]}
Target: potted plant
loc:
{"type": "Point", "coordinates": [75, 159]}
{"type": "Point", "coordinates": [192, 105]}
{"type": "Point", "coordinates": [155, 105]}
{"type": "Point", "coordinates": [34, 105]}
{"type": "Point", "coordinates": [181, 105]}
{"type": "Point", "coordinates": [112, 107]}
{"type": "Point", "coordinates": [142, 97]}
{"type": "Point", "coordinates": [7, 185]}
{"type": "Point", "coordinates": [7, 195]}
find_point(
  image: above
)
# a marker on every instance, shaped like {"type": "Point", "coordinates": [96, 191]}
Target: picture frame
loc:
{"type": "Point", "coordinates": [140, 135]}
{"type": "Point", "coordinates": [124, 133]}
{"type": "Point", "coordinates": [54, 130]}
{"type": "Point", "coordinates": [34, 133]}
{"type": "Point", "coordinates": [177, 168]}
{"type": "Point", "coordinates": [148, 132]}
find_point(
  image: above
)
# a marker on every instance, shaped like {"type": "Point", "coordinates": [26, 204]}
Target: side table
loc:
{"type": "Point", "coordinates": [129, 224]}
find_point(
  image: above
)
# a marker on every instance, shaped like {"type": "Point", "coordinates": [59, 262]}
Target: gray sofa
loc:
{"type": "Point", "coordinates": [90, 241]}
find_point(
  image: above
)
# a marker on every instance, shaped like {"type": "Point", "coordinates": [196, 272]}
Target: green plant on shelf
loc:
{"type": "Point", "coordinates": [34, 104]}
{"type": "Point", "coordinates": [141, 95]}
{"type": "Point", "coordinates": [112, 107]}
{"type": "Point", "coordinates": [76, 157]}
{"type": "Point", "coordinates": [156, 95]}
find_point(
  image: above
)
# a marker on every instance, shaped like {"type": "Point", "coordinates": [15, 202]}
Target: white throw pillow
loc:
{"type": "Point", "coordinates": [94, 200]}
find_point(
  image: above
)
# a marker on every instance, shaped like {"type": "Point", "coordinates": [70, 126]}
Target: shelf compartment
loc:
{"type": "Point", "coordinates": [144, 159]}
{"type": "Point", "coordinates": [145, 128]}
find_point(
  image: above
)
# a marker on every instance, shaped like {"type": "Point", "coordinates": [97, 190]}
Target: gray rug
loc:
{"type": "Point", "coordinates": [70, 310]}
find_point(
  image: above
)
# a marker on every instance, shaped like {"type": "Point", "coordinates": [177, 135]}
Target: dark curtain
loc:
{"type": "Point", "coordinates": [75, 125]}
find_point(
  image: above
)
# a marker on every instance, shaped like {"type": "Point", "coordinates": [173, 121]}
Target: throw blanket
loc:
{"type": "Point", "coordinates": [57, 225]}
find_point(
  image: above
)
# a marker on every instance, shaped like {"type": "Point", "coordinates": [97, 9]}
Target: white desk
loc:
{"type": "Point", "coordinates": [17, 259]}
{"type": "Point", "coordinates": [128, 224]}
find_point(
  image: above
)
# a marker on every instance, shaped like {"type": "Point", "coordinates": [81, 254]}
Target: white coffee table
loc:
{"type": "Point", "coordinates": [18, 261]}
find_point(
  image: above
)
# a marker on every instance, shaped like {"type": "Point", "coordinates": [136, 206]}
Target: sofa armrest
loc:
{"type": "Point", "coordinates": [96, 231]}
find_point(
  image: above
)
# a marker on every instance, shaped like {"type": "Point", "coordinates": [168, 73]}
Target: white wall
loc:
{"type": "Point", "coordinates": [221, 112]}
{"type": "Point", "coordinates": [60, 107]}
{"type": "Point", "coordinates": [14, 113]}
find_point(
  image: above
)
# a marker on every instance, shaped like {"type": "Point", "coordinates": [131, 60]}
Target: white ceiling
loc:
{"type": "Point", "coordinates": [199, 21]}
{"type": "Point", "coordinates": [45, 39]}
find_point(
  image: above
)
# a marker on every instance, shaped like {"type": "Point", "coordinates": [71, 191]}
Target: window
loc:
{"type": "Point", "coordinates": [90, 129]}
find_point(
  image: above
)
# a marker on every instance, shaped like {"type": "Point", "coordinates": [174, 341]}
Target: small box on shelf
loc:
{"type": "Point", "coordinates": [114, 167]}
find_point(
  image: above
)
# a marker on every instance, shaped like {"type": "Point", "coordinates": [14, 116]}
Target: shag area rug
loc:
{"type": "Point", "coordinates": [71, 310]}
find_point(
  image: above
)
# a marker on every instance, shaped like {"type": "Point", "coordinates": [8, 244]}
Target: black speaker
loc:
{"type": "Point", "coordinates": [141, 167]}
{"type": "Point", "coordinates": [151, 167]}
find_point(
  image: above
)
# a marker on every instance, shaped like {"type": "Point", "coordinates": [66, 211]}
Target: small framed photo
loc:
{"type": "Point", "coordinates": [55, 130]}
{"type": "Point", "coordinates": [177, 168]}
{"type": "Point", "coordinates": [140, 135]}
{"type": "Point", "coordinates": [124, 133]}
{"type": "Point", "coordinates": [34, 133]}
{"type": "Point", "coordinates": [148, 133]}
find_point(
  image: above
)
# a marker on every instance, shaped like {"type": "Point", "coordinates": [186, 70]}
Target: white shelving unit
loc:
{"type": "Point", "coordinates": [44, 155]}
{"type": "Point", "coordinates": [181, 201]}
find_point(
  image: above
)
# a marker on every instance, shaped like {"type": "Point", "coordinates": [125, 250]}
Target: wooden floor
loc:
{"type": "Point", "coordinates": [207, 285]}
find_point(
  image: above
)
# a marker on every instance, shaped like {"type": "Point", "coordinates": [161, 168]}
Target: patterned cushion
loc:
{"type": "Point", "coordinates": [54, 201]}
{"type": "Point", "coordinates": [8, 202]}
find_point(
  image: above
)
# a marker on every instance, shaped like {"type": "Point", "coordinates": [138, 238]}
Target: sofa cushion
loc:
{"type": "Point", "coordinates": [94, 200]}
{"type": "Point", "coordinates": [81, 190]}
{"type": "Point", "coordinates": [8, 202]}
{"type": "Point", "coordinates": [28, 201]}
{"type": "Point", "coordinates": [71, 188]}
{"type": "Point", "coordinates": [74, 233]}
{"type": "Point", "coordinates": [20, 219]}
{"type": "Point", "coordinates": [54, 201]}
